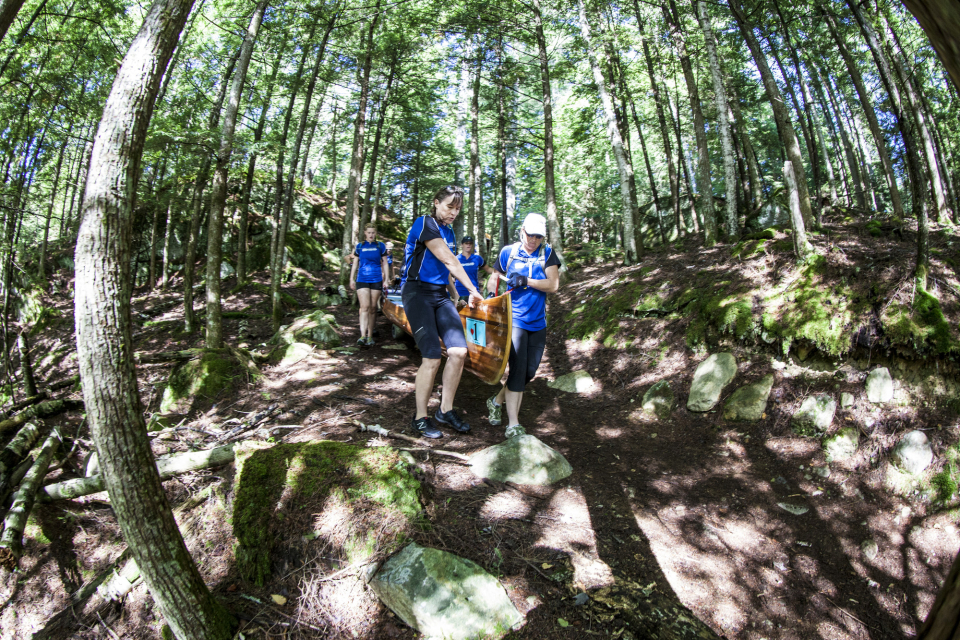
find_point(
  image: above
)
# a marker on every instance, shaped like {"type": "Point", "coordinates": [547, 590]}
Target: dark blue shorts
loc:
{"type": "Point", "coordinates": [526, 352]}
{"type": "Point", "coordinates": [378, 285]}
{"type": "Point", "coordinates": [433, 317]}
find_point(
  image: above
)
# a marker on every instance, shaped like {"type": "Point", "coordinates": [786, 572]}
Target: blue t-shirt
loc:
{"type": "Point", "coordinates": [370, 255]}
{"type": "Point", "coordinates": [418, 261]}
{"type": "Point", "coordinates": [472, 266]}
{"type": "Point", "coordinates": [529, 304]}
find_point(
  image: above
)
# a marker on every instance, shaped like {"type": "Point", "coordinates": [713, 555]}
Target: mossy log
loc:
{"type": "Point", "coordinates": [14, 452]}
{"type": "Point", "coordinates": [16, 477]}
{"type": "Point", "coordinates": [69, 382]}
{"type": "Point", "coordinates": [168, 468]}
{"type": "Point", "coordinates": [26, 402]}
{"type": "Point", "coordinates": [167, 356]}
{"type": "Point", "coordinates": [42, 410]}
{"type": "Point", "coordinates": [11, 544]}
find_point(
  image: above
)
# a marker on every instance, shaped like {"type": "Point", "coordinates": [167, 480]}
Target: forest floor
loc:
{"type": "Point", "coordinates": [684, 509]}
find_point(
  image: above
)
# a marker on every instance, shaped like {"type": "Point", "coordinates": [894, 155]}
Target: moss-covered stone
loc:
{"type": "Point", "coordinates": [203, 377]}
{"type": "Point", "coordinates": [317, 328]}
{"type": "Point", "coordinates": [921, 326]}
{"type": "Point", "coordinates": [360, 500]}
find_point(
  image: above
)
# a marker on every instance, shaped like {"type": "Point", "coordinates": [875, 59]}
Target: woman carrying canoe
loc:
{"type": "Point", "coordinates": [426, 292]}
{"type": "Point", "coordinates": [370, 261]}
{"type": "Point", "coordinates": [532, 270]}
{"type": "Point", "coordinates": [472, 264]}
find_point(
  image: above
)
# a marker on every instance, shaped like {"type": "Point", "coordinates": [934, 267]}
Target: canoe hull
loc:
{"type": "Point", "coordinates": [488, 330]}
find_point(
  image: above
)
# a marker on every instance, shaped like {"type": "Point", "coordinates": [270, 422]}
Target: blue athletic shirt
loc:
{"type": "Point", "coordinates": [529, 304]}
{"type": "Point", "coordinates": [472, 266]}
{"type": "Point", "coordinates": [418, 262]}
{"type": "Point", "coordinates": [370, 254]}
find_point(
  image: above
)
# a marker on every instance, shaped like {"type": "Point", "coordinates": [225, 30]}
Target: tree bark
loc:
{"type": "Point", "coordinates": [784, 125]}
{"type": "Point", "coordinates": [12, 456]}
{"type": "Point", "coordinates": [104, 341]}
{"type": "Point", "coordinates": [940, 20]}
{"type": "Point", "coordinates": [11, 543]}
{"type": "Point", "coordinates": [375, 152]}
{"type": "Point", "coordinates": [474, 180]}
{"type": "Point", "coordinates": [853, 166]}
{"type": "Point", "coordinates": [352, 216]}
{"type": "Point", "coordinates": [190, 255]}
{"type": "Point", "coordinates": [726, 139]}
{"type": "Point", "coordinates": [8, 12]}
{"type": "Point", "coordinates": [42, 410]}
{"type": "Point", "coordinates": [869, 112]}
{"type": "Point", "coordinates": [53, 196]}
{"type": "Point", "coordinates": [630, 254]}
{"type": "Point", "coordinates": [943, 621]}
{"type": "Point", "coordinates": [801, 246]}
{"type": "Point", "coordinates": [26, 365]}
{"type": "Point", "coordinates": [664, 131]}
{"type": "Point", "coordinates": [549, 174]}
{"type": "Point", "coordinates": [218, 191]}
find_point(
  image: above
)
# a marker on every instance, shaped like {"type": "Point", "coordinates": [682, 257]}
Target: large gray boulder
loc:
{"type": "Point", "coordinates": [814, 415]}
{"type": "Point", "coordinates": [749, 401]}
{"type": "Point", "coordinates": [522, 459]}
{"type": "Point", "coordinates": [659, 400]}
{"type": "Point", "coordinates": [879, 386]}
{"type": "Point", "coordinates": [914, 452]}
{"type": "Point", "coordinates": [444, 596]}
{"type": "Point", "coordinates": [711, 376]}
{"type": "Point", "coordinates": [573, 382]}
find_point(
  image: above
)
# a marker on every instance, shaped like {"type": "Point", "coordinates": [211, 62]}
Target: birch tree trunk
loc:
{"type": "Point", "coordinates": [726, 140]}
{"type": "Point", "coordinates": [475, 178]}
{"type": "Point", "coordinates": [375, 152]}
{"type": "Point", "coordinates": [801, 246]}
{"type": "Point", "coordinates": [104, 341]}
{"type": "Point", "coordinates": [53, 196]}
{"type": "Point", "coordinates": [787, 134]}
{"type": "Point", "coordinates": [623, 165]}
{"type": "Point", "coordinates": [218, 191]}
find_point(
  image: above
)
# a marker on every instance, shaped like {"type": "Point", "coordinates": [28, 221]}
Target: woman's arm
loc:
{"type": "Point", "coordinates": [353, 273]}
{"type": "Point", "coordinates": [442, 253]}
{"type": "Point", "coordinates": [548, 285]}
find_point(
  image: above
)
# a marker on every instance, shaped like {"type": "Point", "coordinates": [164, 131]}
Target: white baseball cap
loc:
{"type": "Point", "coordinates": [535, 224]}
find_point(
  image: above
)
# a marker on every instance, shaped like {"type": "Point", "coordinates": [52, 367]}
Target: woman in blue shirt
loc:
{"type": "Point", "coordinates": [370, 262]}
{"type": "Point", "coordinates": [472, 263]}
{"type": "Point", "coordinates": [432, 314]}
{"type": "Point", "coordinates": [532, 270]}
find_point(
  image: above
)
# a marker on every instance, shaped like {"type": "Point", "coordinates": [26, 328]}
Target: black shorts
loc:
{"type": "Point", "coordinates": [526, 352]}
{"type": "Point", "coordinates": [371, 285]}
{"type": "Point", "coordinates": [433, 317]}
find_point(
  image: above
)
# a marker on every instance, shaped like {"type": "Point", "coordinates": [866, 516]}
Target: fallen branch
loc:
{"type": "Point", "coordinates": [251, 423]}
{"type": "Point", "coordinates": [11, 544]}
{"type": "Point", "coordinates": [14, 452]}
{"type": "Point", "coordinates": [69, 382]}
{"type": "Point", "coordinates": [375, 428]}
{"type": "Point", "coordinates": [42, 410]}
{"type": "Point", "coordinates": [120, 582]}
{"type": "Point", "coordinates": [166, 356]}
{"type": "Point", "coordinates": [168, 468]}
{"type": "Point", "coordinates": [26, 402]}
{"type": "Point", "coordinates": [16, 477]}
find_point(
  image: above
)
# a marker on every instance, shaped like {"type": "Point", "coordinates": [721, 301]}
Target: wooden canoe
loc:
{"type": "Point", "coordinates": [487, 328]}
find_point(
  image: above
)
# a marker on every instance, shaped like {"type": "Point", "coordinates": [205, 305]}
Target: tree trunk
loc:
{"type": "Point", "coordinates": [26, 365]}
{"type": "Point", "coordinates": [474, 179]}
{"type": "Point", "coordinates": [866, 103]}
{"type": "Point", "coordinates": [53, 196]}
{"type": "Point", "coordinates": [549, 176]}
{"type": "Point", "coordinates": [291, 178]}
{"type": "Point", "coordinates": [501, 136]}
{"type": "Point", "coordinates": [623, 165]}
{"type": "Point", "coordinates": [801, 246]}
{"type": "Point", "coordinates": [252, 166]}
{"type": "Point", "coordinates": [352, 216]}
{"type": "Point", "coordinates": [784, 125]}
{"type": "Point", "coordinates": [726, 139]}
{"type": "Point", "coordinates": [853, 165]}
{"type": "Point", "coordinates": [943, 621]}
{"type": "Point", "coordinates": [664, 131]}
{"type": "Point", "coordinates": [8, 11]}
{"type": "Point", "coordinates": [940, 20]}
{"type": "Point", "coordinates": [218, 190]}
{"type": "Point", "coordinates": [375, 152]}
{"type": "Point", "coordinates": [104, 341]}
{"type": "Point", "coordinates": [189, 261]}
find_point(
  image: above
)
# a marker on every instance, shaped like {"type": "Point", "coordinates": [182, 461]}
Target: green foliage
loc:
{"type": "Point", "coordinates": [945, 484]}
{"type": "Point", "coordinates": [203, 377]}
{"type": "Point", "coordinates": [921, 326]}
{"type": "Point", "coordinates": [361, 489]}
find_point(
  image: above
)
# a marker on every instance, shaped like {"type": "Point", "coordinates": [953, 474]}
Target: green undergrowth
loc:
{"type": "Point", "coordinates": [920, 325]}
{"type": "Point", "coordinates": [945, 484]}
{"type": "Point", "coordinates": [360, 500]}
{"type": "Point", "coordinates": [203, 377]}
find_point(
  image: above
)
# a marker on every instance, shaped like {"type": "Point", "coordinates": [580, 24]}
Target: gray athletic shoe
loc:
{"type": "Point", "coordinates": [494, 410]}
{"type": "Point", "coordinates": [515, 430]}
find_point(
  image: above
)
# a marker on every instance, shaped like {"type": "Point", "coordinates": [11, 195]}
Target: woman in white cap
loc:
{"type": "Point", "coordinates": [532, 270]}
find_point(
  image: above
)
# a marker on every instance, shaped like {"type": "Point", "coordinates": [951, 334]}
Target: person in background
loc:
{"type": "Point", "coordinates": [472, 263]}
{"type": "Point", "coordinates": [427, 266]}
{"type": "Point", "coordinates": [389, 264]}
{"type": "Point", "coordinates": [367, 275]}
{"type": "Point", "coordinates": [532, 270]}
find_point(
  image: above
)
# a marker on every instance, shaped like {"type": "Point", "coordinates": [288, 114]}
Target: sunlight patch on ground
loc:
{"type": "Point", "coordinates": [788, 448]}
{"type": "Point", "coordinates": [566, 526]}
{"type": "Point", "coordinates": [506, 505]}
{"type": "Point", "coordinates": [609, 433]}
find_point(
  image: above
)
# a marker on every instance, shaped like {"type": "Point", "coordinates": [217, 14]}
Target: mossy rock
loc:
{"type": "Point", "coordinates": [317, 328]}
{"type": "Point", "coordinates": [203, 377]}
{"type": "Point", "coordinates": [921, 326]}
{"type": "Point", "coordinates": [361, 501]}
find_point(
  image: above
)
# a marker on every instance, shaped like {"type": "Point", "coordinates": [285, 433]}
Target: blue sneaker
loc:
{"type": "Point", "coordinates": [425, 428]}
